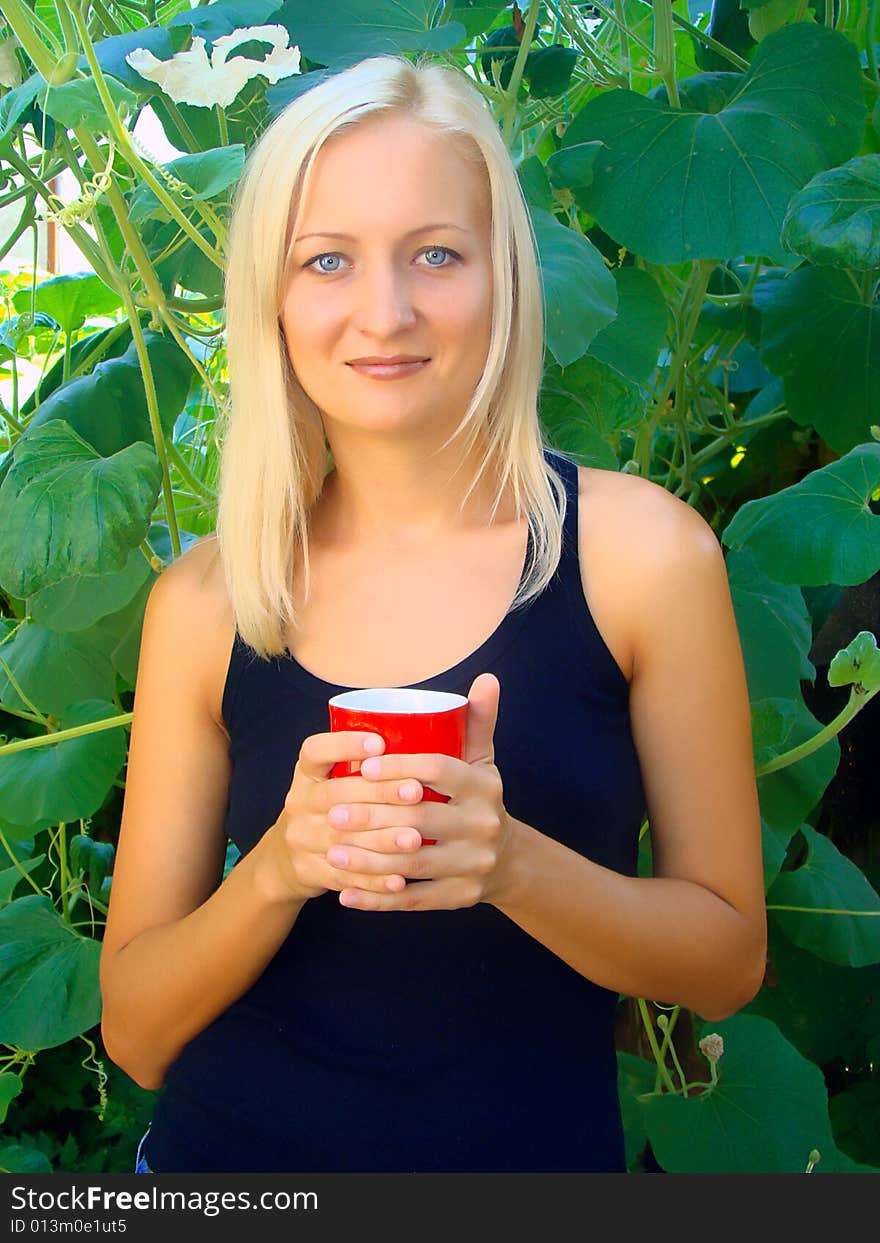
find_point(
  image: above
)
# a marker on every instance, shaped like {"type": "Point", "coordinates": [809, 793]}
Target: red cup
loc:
{"type": "Point", "coordinates": [412, 722]}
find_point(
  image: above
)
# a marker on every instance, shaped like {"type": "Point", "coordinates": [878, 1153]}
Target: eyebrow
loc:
{"type": "Point", "coordinates": [422, 228]}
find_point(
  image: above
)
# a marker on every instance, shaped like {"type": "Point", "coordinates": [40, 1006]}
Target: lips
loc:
{"type": "Point", "coordinates": [392, 371]}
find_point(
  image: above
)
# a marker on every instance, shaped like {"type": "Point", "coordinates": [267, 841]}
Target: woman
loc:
{"type": "Point", "coordinates": [314, 1011]}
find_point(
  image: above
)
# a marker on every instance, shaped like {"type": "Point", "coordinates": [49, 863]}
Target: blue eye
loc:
{"type": "Point", "coordinates": [336, 255]}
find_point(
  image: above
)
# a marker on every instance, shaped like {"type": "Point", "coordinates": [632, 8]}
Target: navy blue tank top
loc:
{"type": "Point", "coordinates": [433, 1041]}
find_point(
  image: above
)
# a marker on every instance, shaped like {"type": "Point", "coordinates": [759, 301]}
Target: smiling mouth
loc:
{"type": "Point", "coordinates": [389, 371]}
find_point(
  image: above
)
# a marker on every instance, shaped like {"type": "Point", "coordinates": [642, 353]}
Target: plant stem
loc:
{"type": "Point", "coordinates": [857, 701]}
{"type": "Point", "coordinates": [664, 49]}
{"type": "Point", "coordinates": [64, 735]}
{"type": "Point", "coordinates": [662, 1069]}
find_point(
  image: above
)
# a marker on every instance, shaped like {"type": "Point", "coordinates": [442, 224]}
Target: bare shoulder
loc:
{"type": "Point", "coordinates": [631, 532]}
{"type": "Point", "coordinates": [205, 614]}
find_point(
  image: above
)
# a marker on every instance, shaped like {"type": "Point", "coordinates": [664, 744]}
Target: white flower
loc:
{"type": "Point", "coordinates": [191, 78]}
{"type": "Point", "coordinates": [10, 69]}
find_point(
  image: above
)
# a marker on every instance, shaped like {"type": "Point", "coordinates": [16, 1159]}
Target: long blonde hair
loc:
{"type": "Point", "coordinates": [274, 455]}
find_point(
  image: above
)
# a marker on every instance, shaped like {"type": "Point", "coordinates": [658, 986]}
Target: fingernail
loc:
{"type": "Point", "coordinates": [374, 744]}
{"type": "Point", "coordinates": [337, 856]}
{"type": "Point", "coordinates": [338, 815]}
{"type": "Point", "coordinates": [408, 790]}
{"type": "Point", "coordinates": [405, 841]}
{"type": "Point", "coordinates": [371, 768]}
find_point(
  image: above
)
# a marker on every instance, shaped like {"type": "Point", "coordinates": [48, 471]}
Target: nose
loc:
{"type": "Point", "coordinates": [384, 301]}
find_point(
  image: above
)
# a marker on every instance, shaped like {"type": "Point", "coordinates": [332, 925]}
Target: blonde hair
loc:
{"type": "Point", "coordinates": [274, 455]}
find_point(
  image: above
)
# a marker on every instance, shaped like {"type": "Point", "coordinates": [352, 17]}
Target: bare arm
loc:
{"type": "Point", "coordinates": [695, 932]}
{"type": "Point", "coordinates": [179, 946]}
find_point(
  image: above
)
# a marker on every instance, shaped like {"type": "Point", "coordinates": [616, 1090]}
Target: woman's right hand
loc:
{"type": "Point", "coordinates": [295, 847]}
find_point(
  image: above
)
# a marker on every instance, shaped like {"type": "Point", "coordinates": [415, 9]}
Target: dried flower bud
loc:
{"type": "Point", "coordinates": [712, 1046]}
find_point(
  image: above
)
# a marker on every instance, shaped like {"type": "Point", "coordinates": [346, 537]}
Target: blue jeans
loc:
{"type": "Point", "coordinates": [141, 1166]}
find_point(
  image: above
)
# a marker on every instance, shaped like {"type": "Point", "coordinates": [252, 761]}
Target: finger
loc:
{"type": "Point", "coordinates": [400, 839]}
{"type": "Point", "coordinates": [364, 818]}
{"type": "Point", "coordinates": [443, 773]}
{"type": "Point", "coordinates": [347, 790]}
{"type": "Point", "coordinates": [366, 881]}
{"type": "Point", "coordinates": [320, 753]}
{"type": "Point", "coordinates": [415, 865]}
{"type": "Point", "coordinates": [449, 894]}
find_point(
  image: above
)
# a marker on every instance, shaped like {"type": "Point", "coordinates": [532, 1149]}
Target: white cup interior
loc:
{"type": "Point", "coordinates": [401, 700]}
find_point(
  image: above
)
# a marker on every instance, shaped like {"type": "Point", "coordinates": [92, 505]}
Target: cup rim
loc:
{"type": "Point", "coordinates": [422, 702]}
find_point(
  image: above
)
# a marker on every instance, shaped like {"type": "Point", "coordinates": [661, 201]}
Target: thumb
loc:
{"type": "Point", "coordinates": [482, 715]}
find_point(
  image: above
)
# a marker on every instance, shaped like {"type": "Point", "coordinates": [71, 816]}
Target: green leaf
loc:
{"type": "Point", "coordinates": [632, 342]}
{"type": "Point", "coordinates": [206, 174]}
{"type": "Point", "coordinates": [224, 16]}
{"type": "Point", "coordinates": [774, 628]}
{"type": "Point", "coordinates": [78, 602]}
{"type": "Point", "coordinates": [835, 219]}
{"type": "Point", "coordinates": [16, 103]}
{"type": "Point", "coordinates": [694, 183]}
{"type": "Point", "coordinates": [579, 291]}
{"type": "Point", "coordinates": [766, 1113]}
{"type": "Point", "coordinates": [53, 670]}
{"type": "Point", "coordinates": [70, 299]}
{"type": "Point", "coordinates": [635, 1076]}
{"type": "Point", "coordinates": [819, 530]}
{"type": "Point", "coordinates": [584, 405]}
{"type": "Point", "coordinates": [11, 877]}
{"type": "Point", "coordinates": [10, 1086]}
{"type": "Point", "coordinates": [24, 1159]}
{"type": "Point", "coordinates": [819, 332]}
{"type": "Point", "coordinates": [108, 407]}
{"type": "Point", "coordinates": [77, 103]}
{"type": "Point", "coordinates": [93, 858]}
{"type": "Point", "coordinates": [828, 1012]}
{"type": "Point", "coordinates": [110, 54]}
{"type": "Point", "coordinates": [65, 510]}
{"type": "Point", "coordinates": [549, 70]}
{"type": "Point", "coordinates": [354, 29]}
{"type": "Point", "coordinates": [66, 780]}
{"type": "Point", "coordinates": [828, 881]}
{"type": "Point", "coordinates": [49, 989]}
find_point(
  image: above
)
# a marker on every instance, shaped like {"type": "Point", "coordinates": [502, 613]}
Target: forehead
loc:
{"type": "Point", "coordinates": [397, 166]}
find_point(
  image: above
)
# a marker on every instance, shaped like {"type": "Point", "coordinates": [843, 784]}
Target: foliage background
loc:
{"type": "Point", "coordinates": [705, 189]}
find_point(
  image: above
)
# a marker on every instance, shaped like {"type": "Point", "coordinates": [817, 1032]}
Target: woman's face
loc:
{"type": "Point", "coordinates": [392, 286]}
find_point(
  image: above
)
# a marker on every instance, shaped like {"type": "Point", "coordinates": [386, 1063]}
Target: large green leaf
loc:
{"type": "Point", "coordinates": [108, 407]}
{"type": "Point", "coordinates": [632, 342]}
{"type": "Point", "coordinates": [66, 780]}
{"type": "Point", "coordinates": [64, 509]}
{"type": "Point", "coordinates": [712, 180]}
{"type": "Point", "coordinates": [78, 602]}
{"type": "Point", "coordinates": [835, 219]}
{"type": "Point", "coordinates": [819, 530]}
{"type": "Point", "coordinates": [206, 174]}
{"type": "Point", "coordinates": [579, 292]}
{"type": "Point", "coordinates": [585, 405]}
{"type": "Point", "coordinates": [788, 794]}
{"type": "Point", "coordinates": [821, 333]}
{"type": "Point", "coordinates": [841, 921]}
{"type": "Point", "coordinates": [70, 299]}
{"type": "Point", "coordinates": [774, 628]}
{"type": "Point", "coordinates": [221, 18]}
{"type": "Point", "coordinates": [826, 1011]}
{"type": "Point", "coordinates": [53, 670]}
{"type": "Point", "coordinates": [351, 30]}
{"type": "Point", "coordinates": [49, 990]}
{"type": "Point", "coordinates": [766, 1113]}
{"type": "Point", "coordinates": [77, 103]}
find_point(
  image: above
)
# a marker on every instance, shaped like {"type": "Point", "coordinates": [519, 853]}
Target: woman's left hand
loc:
{"type": "Point", "coordinates": [473, 831]}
